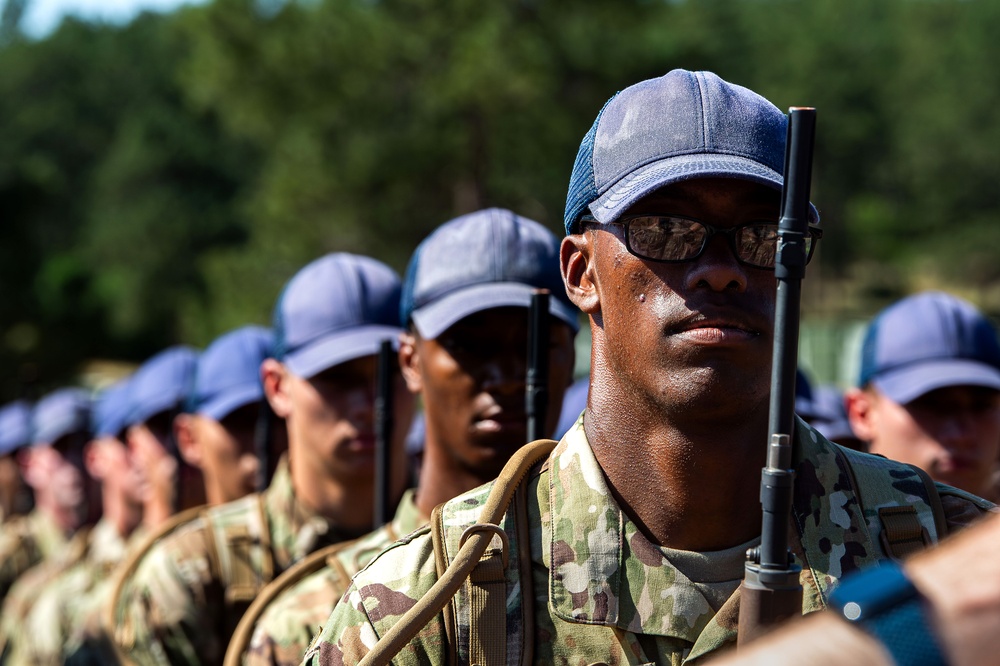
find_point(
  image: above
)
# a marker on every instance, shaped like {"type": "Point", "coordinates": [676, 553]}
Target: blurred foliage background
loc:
{"type": "Point", "coordinates": [159, 181]}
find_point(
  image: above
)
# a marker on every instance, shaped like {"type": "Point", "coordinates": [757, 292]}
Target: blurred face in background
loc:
{"type": "Point", "coordinates": [330, 422]}
{"type": "Point", "coordinates": [56, 474]}
{"type": "Point", "coordinates": [160, 473]}
{"type": "Point", "coordinates": [108, 461]}
{"type": "Point", "coordinates": [952, 433]}
{"type": "Point", "coordinates": [223, 450]}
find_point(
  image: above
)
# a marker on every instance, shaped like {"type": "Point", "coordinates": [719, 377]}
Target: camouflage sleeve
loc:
{"type": "Point", "coordinates": [45, 628]}
{"type": "Point", "coordinates": [170, 609]}
{"type": "Point", "coordinates": [383, 591]}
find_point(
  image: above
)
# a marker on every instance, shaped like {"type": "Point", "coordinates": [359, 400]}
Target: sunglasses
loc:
{"type": "Point", "coordinates": [676, 239]}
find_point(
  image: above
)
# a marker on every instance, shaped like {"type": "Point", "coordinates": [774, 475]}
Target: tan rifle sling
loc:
{"type": "Point", "coordinates": [490, 615]}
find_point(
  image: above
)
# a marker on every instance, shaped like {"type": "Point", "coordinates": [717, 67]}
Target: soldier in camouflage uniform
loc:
{"type": "Point", "coordinates": [464, 354]}
{"type": "Point", "coordinates": [15, 434]}
{"type": "Point", "coordinates": [637, 522]}
{"type": "Point", "coordinates": [51, 538]}
{"type": "Point", "coordinates": [191, 588]}
{"type": "Point", "coordinates": [49, 632]}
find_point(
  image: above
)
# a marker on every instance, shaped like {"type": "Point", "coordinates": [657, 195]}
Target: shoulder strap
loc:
{"type": "Point", "coordinates": [240, 541]}
{"type": "Point", "coordinates": [119, 628]}
{"type": "Point", "coordinates": [500, 585]}
{"type": "Point", "coordinates": [473, 545]}
{"type": "Point", "coordinates": [312, 563]}
{"type": "Point", "coordinates": [899, 502]}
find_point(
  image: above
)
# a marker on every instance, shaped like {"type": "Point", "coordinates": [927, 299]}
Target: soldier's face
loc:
{"type": "Point", "coordinates": [687, 334]}
{"type": "Point", "coordinates": [228, 459]}
{"type": "Point", "coordinates": [952, 433]}
{"type": "Point", "coordinates": [472, 378]}
{"type": "Point", "coordinates": [155, 466]}
{"type": "Point", "coordinates": [332, 419]}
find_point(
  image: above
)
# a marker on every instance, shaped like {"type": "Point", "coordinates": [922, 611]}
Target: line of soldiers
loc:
{"type": "Point", "coordinates": [623, 543]}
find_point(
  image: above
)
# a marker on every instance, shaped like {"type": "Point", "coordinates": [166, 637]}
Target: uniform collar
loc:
{"type": "Point", "coordinates": [295, 529]}
{"type": "Point", "coordinates": [602, 569]}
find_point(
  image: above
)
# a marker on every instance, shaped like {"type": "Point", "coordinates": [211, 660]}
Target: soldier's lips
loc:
{"type": "Point", "coordinates": [499, 422]}
{"type": "Point", "coordinates": [701, 329]}
{"type": "Point", "coordinates": [362, 445]}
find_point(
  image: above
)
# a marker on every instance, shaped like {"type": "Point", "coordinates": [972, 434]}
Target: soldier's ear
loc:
{"type": "Point", "coordinates": [860, 406]}
{"type": "Point", "coordinates": [409, 362]}
{"type": "Point", "coordinates": [576, 262]}
{"type": "Point", "coordinates": [187, 440]}
{"type": "Point", "coordinates": [275, 378]}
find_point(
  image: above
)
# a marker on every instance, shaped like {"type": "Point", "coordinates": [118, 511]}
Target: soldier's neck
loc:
{"type": "Point", "coordinates": [441, 479]}
{"type": "Point", "coordinates": [348, 507]}
{"type": "Point", "coordinates": [687, 486]}
{"type": "Point", "coordinates": [122, 513]}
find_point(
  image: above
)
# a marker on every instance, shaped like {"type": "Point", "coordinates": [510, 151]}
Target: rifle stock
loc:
{"type": "Point", "coordinates": [536, 389]}
{"type": "Point", "coordinates": [771, 591]}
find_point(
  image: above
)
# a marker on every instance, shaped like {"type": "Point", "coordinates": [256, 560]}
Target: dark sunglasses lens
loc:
{"type": "Point", "coordinates": [665, 238]}
{"type": "Point", "coordinates": [757, 244]}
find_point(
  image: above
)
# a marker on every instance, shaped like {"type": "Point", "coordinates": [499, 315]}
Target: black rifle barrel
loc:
{"type": "Point", "coordinates": [536, 393]}
{"type": "Point", "coordinates": [771, 591]}
{"type": "Point", "coordinates": [384, 508]}
{"type": "Point", "coordinates": [262, 438]}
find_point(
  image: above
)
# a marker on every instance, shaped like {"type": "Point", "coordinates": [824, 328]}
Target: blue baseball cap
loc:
{"type": "Point", "coordinates": [15, 426]}
{"type": "Point", "coordinates": [111, 410]}
{"type": "Point", "coordinates": [228, 375]}
{"type": "Point", "coordinates": [831, 414]}
{"type": "Point", "coordinates": [488, 259]}
{"type": "Point", "coordinates": [681, 126]}
{"type": "Point", "coordinates": [336, 309]}
{"type": "Point", "coordinates": [926, 342]}
{"type": "Point", "coordinates": [61, 413]}
{"type": "Point", "coordinates": [161, 384]}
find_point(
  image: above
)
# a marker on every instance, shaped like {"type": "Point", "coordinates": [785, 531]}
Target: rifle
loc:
{"type": "Point", "coordinates": [262, 436]}
{"type": "Point", "coordinates": [383, 433]}
{"type": "Point", "coordinates": [536, 388]}
{"type": "Point", "coordinates": [771, 591]}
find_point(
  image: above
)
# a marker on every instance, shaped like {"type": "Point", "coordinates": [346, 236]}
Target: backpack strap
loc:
{"type": "Point", "coordinates": [900, 503]}
{"type": "Point", "coordinates": [118, 628]}
{"type": "Point", "coordinates": [309, 565]}
{"type": "Point", "coordinates": [482, 531]}
{"type": "Point", "coordinates": [240, 549]}
{"type": "Point", "coordinates": [488, 627]}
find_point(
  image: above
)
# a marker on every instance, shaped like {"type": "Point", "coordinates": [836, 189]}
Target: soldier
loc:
{"type": "Point", "coordinates": [157, 393]}
{"type": "Point", "coordinates": [54, 536]}
{"type": "Point", "coordinates": [465, 354]}
{"type": "Point", "coordinates": [630, 548]}
{"type": "Point", "coordinates": [15, 434]}
{"type": "Point", "coordinates": [930, 390]}
{"type": "Point", "coordinates": [53, 468]}
{"type": "Point", "coordinates": [70, 598]}
{"type": "Point", "coordinates": [216, 432]}
{"type": "Point", "coordinates": [190, 590]}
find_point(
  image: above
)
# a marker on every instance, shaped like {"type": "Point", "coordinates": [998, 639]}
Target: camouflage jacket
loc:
{"type": "Point", "coordinates": [55, 626]}
{"type": "Point", "coordinates": [602, 592]}
{"type": "Point", "coordinates": [27, 590]}
{"type": "Point", "coordinates": [24, 542]}
{"type": "Point", "coordinates": [190, 589]}
{"type": "Point", "coordinates": [288, 623]}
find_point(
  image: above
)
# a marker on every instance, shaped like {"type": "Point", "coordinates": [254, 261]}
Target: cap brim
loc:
{"type": "Point", "coordinates": [910, 382]}
{"type": "Point", "coordinates": [437, 317]}
{"type": "Point", "coordinates": [230, 400]}
{"type": "Point", "coordinates": [619, 197]}
{"type": "Point", "coordinates": [338, 348]}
